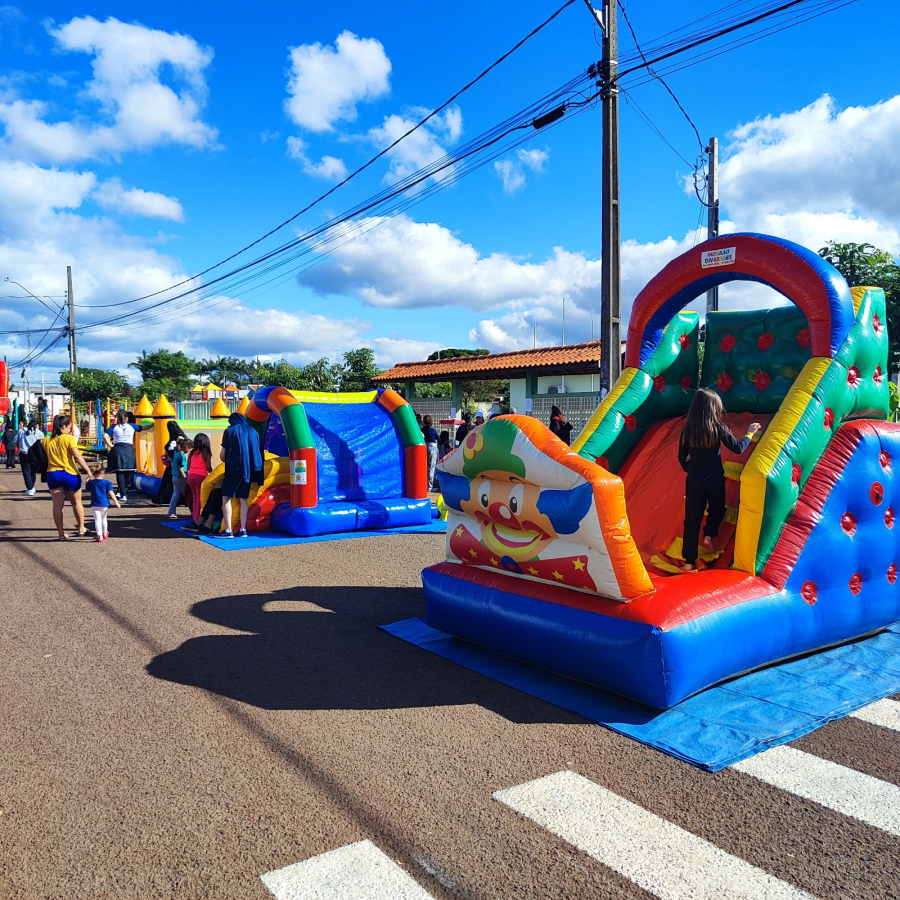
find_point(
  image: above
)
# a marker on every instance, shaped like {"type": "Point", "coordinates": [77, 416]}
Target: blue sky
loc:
{"type": "Point", "coordinates": [141, 149]}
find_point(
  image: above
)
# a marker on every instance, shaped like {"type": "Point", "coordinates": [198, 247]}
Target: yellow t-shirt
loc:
{"type": "Point", "coordinates": [59, 456]}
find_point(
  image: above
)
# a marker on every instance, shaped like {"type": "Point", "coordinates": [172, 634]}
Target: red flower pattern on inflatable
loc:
{"type": "Point", "coordinates": [853, 376]}
{"type": "Point", "coordinates": [685, 341]}
{"type": "Point", "coordinates": [724, 382]}
{"type": "Point", "coordinates": [855, 584]}
{"type": "Point", "coordinates": [809, 592]}
{"type": "Point", "coordinates": [630, 422]}
{"type": "Point", "coordinates": [889, 517]}
{"type": "Point", "coordinates": [686, 382]}
{"type": "Point", "coordinates": [659, 383]}
{"type": "Point", "coordinates": [765, 340]}
{"type": "Point", "coordinates": [848, 523]}
{"type": "Point", "coordinates": [876, 493]}
{"type": "Point", "coordinates": [892, 573]}
{"type": "Point", "coordinates": [877, 375]}
{"type": "Point", "coordinates": [804, 339]}
{"type": "Point", "coordinates": [761, 381]}
{"type": "Point", "coordinates": [728, 343]}
{"type": "Point", "coordinates": [885, 459]}
{"type": "Point", "coordinates": [829, 417]}
{"type": "Point", "coordinates": [876, 324]}
{"type": "Point", "coordinates": [796, 472]}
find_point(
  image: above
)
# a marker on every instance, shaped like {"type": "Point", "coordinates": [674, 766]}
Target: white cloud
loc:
{"type": "Point", "coordinates": [132, 108]}
{"type": "Point", "coordinates": [817, 174]}
{"type": "Point", "coordinates": [114, 195]}
{"type": "Point", "coordinates": [329, 167]}
{"type": "Point", "coordinates": [423, 147]}
{"type": "Point", "coordinates": [512, 171]}
{"type": "Point", "coordinates": [326, 83]}
{"type": "Point", "coordinates": [408, 264]}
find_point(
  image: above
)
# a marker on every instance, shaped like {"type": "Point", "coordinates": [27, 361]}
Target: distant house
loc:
{"type": "Point", "coordinates": [207, 392]}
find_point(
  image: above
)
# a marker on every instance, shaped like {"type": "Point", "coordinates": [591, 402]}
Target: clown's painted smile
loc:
{"type": "Point", "coordinates": [519, 543]}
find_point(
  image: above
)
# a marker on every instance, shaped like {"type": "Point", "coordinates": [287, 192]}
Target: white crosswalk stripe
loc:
{"type": "Point", "coordinates": [358, 871]}
{"type": "Point", "coordinates": [836, 787]}
{"type": "Point", "coordinates": [885, 713]}
{"type": "Point", "coordinates": [657, 855]}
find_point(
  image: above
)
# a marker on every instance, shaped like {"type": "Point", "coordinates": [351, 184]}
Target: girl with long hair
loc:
{"type": "Point", "coordinates": [700, 455]}
{"type": "Point", "coordinates": [199, 465]}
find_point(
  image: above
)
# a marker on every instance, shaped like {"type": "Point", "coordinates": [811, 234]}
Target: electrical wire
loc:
{"type": "Point", "coordinates": [367, 164]}
{"type": "Point", "coordinates": [659, 77]}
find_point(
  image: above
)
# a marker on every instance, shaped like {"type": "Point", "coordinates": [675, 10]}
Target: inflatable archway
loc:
{"type": "Point", "coordinates": [802, 276]}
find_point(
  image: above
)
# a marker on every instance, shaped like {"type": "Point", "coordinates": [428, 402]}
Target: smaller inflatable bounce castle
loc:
{"type": "Point", "coordinates": [569, 558]}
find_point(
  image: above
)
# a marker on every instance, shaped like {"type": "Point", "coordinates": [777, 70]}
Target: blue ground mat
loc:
{"type": "Point", "coordinates": [277, 539]}
{"type": "Point", "coordinates": [719, 726]}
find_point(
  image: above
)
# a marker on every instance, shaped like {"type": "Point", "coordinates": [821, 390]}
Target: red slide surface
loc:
{"type": "Point", "coordinates": [654, 490]}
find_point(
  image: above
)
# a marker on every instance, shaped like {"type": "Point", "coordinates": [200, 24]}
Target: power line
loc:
{"type": "Point", "coordinates": [659, 77]}
{"type": "Point", "coordinates": [366, 165]}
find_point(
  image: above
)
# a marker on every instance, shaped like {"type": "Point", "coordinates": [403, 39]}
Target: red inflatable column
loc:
{"type": "Point", "coordinates": [416, 459]}
{"type": "Point", "coordinates": [304, 485]}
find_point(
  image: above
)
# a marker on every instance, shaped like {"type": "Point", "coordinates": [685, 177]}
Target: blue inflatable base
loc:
{"type": "Point", "coordinates": [351, 515]}
{"type": "Point", "coordinates": [274, 539]}
{"type": "Point", "coordinates": [719, 726]}
{"type": "Point", "coordinates": [147, 484]}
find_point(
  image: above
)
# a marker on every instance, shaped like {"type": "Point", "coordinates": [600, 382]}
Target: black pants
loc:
{"type": "Point", "coordinates": [700, 494]}
{"type": "Point", "coordinates": [11, 456]}
{"type": "Point", "coordinates": [27, 471]}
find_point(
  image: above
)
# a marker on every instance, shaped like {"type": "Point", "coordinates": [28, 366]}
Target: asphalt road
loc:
{"type": "Point", "coordinates": [178, 721]}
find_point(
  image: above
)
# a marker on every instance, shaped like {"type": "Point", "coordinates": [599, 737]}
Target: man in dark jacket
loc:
{"type": "Point", "coordinates": [463, 429]}
{"type": "Point", "coordinates": [243, 466]}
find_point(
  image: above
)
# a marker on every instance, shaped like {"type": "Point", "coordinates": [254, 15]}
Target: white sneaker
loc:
{"type": "Point", "coordinates": [30, 493]}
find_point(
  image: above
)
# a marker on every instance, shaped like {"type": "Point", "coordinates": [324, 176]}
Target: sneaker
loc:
{"type": "Point", "coordinates": [225, 535]}
{"type": "Point", "coordinates": [242, 533]}
{"type": "Point", "coordinates": [204, 530]}
{"type": "Point", "coordinates": [30, 493]}
{"type": "Point", "coordinates": [98, 538]}
{"type": "Point", "coordinates": [105, 536]}
{"type": "Point", "coordinates": [191, 526]}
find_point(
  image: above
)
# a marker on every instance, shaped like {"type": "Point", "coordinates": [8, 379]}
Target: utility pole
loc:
{"type": "Point", "coordinates": [712, 212]}
{"type": "Point", "coordinates": [611, 272]}
{"type": "Point", "coordinates": [73, 358]}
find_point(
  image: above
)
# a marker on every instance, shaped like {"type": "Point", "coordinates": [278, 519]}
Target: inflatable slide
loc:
{"type": "Point", "coordinates": [569, 558]}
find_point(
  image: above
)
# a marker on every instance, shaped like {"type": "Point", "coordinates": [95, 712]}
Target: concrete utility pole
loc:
{"type": "Point", "coordinates": [611, 272]}
{"type": "Point", "coordinates": [712, 212]}
{"type": "Point", "coordinates": [73, 357]}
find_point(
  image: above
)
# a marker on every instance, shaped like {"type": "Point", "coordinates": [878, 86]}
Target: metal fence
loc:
{"type": "Point", "coordinates": [576, 409]}
{"type": "Point", "coordinates": [437, 409]}
{"type": "Point", "coordinates": [200, 409]}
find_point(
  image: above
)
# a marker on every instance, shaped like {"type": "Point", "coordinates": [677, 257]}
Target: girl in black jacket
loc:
{"type": "Point", "coordinates": [700, 455]}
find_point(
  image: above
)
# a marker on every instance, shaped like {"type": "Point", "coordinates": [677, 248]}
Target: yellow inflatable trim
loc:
{"type": "Point", "coordinates": [757, 469]}
{"type": "Point", "coordinates": [325, 397]}
{"type": "Point", "coordinates": [619, 388]}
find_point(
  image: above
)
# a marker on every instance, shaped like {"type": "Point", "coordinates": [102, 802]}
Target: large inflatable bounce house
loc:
{"type": "Point", "coordinates": [570, 558]}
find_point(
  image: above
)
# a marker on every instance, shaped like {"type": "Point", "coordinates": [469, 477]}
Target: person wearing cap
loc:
{"type": "Point", "coordinates": [479, 418]}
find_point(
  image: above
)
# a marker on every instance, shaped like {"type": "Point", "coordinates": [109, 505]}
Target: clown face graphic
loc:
{"type": "Point", "coordinates": [510, 522]}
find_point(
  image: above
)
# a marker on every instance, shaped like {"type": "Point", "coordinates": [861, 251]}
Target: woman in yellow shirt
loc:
{"type": "Point", "coordinates": [63, 479]}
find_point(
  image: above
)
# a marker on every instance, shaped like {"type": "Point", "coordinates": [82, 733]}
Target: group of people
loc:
{"type": "Point", "coordinates": [56, 458]}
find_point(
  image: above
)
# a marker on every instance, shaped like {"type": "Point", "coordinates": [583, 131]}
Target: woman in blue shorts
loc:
{"type": "Point", "coordinates": [63, 479]}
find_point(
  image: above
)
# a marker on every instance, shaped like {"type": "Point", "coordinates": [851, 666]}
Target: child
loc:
{"type": "Point", "coordinates": [199, 465]}
{"type": "Point", "coordinates": [179, 474]}
{"type": "Point", "coordinates": [101, 493]}
{"type": "Point", "coordinates": [700, 455]}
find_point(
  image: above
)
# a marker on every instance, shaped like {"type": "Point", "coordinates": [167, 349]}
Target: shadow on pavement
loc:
{"type": "Point", "coordinates": [320, 648]}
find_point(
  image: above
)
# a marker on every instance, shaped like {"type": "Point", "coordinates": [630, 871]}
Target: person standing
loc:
{"type": "Point", "coordinates": [26, 438]}
{"type": "Point", "coordinates": [199, 465]}
{"type": "Point", "coordinates": [9, 444]}
{"type": "Point", "coordinates": [62, 475]}
{"type": "Point", "coordinates": [560, 425]}
{"type": "Point", "coordinates": [179, 474]}
{"type": "Point", "coordinates": [463, 429]}
{"type": "Point", "coordinates": [429, 432]}
{"type": "Point", "coordinates": [122, 460]}
{"type": "Point", "coordinates": [243, 466]}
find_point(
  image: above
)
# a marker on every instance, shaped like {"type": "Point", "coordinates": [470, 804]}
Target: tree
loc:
{"type": "Point", "coordinates": [483, 391]}
{"type": "Point", "coordinates": [168, 373]}
{"type": "Point", "coordinates": [455, 352]}
{"type": "Point", "coordinates": [358, 370]}
{"type": "Point", "coordinates": [435, 391]}
{"type": "Point", "coordinates": [322, 375]}
{"type": "Point", "coordinates": [93, 384]}
{"type": "Point", "coordinates": [865, 265]}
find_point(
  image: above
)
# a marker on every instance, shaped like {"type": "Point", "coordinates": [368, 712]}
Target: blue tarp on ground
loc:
{"type": "Point", "coordinates": [719, 726]}
{"type": "Point", "coordinates": [277, 539]}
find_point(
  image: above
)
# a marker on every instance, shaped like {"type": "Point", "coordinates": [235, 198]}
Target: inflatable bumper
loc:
{"type": "Point", "coordinates": [358, 515]}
